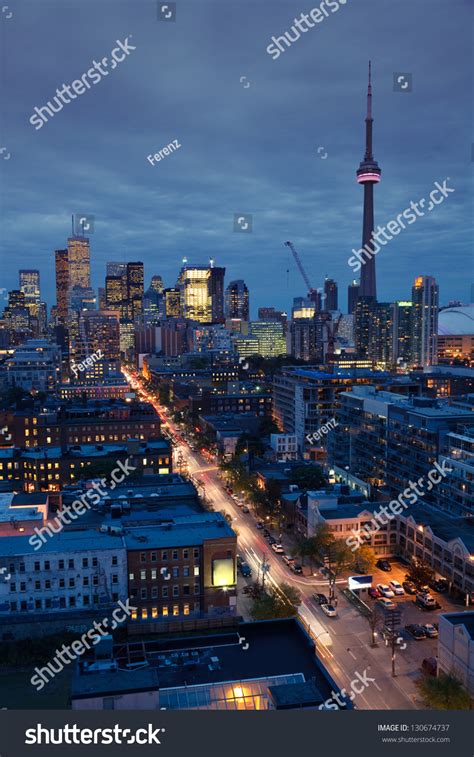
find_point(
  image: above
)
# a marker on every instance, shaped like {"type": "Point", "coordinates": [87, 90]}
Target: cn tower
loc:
{"type": "Point", "coordinates": [368, 174]}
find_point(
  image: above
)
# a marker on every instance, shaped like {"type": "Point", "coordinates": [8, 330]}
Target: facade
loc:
{"type": "Point", "coordinates": [132, 292]}
{"type": "Point", "coordinates": [113, 293]}
{"type": "Point", "coordinates": [202, 293]}
{"type": "Point", "coordinates": [456, 647]}
{"type": "Point", "coordinates": [402, 345]}
{"type": "Point", "coordinates": [36, 364]}
{"type": "Point", "coordinates": [284, 446]}
{"type": "Point", "coordinates": [62, 284]}
{"type": "Point", "coordinates": [352, 295]}
{"type": "Point", "coordinates": [330, 292]}
{"type": "Point", "coordinates": [79, 263]}
{"type": "Point", "coordinates": [172, 302]}
{"type": "Point", "coordinates": [425, 295]}
{"type": "Point", "coordinates": [237, 300]}
{"type": "Point", "coordinates": [270, 336]}
{"type": "Point", "coordinates": [30, 286]}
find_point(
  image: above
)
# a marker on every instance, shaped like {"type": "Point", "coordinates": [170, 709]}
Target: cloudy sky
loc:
{"type": "Point", "coordinates": [248, 145]}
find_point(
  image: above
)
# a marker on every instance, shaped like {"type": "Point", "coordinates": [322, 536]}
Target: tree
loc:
{"type": "Point", "coordinates": [364, 559]}
{"type": "Point", "coordinates": [276, 603]}
{"type": "Point", "coordinates": [340, 557]}
{"type": "Point", "coordinates": [309, 477]}
{"type": "Point", "coordinates": [376, 620]}
{"type": "Point", "coordinates": [446, 692]}
{"type": "Point", "coordinates": [420, 573]}
{"type": "Point", "coordinates": [249, 443]}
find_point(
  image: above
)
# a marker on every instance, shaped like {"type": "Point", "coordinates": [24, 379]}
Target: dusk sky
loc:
{"type": "Point", "coordinates": [244, 149]}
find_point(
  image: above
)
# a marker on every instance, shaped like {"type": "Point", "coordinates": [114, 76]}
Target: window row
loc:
{"type": "Point", "coordinates": [164, 574]}
{"type": "Point", "coordinates": [61, 565]}
{"type": "Point", "coordinates": [165, 611]}
{"type": "Point", "coordinates": [62, 604]}
{"type": "Point", "coordinates": [153, 556]}
{"type": "Point", "coordinates": [166, 591]}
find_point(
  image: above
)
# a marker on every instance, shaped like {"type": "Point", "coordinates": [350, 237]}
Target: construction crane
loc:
{"type": "Point", "coordinates": [301, 269]}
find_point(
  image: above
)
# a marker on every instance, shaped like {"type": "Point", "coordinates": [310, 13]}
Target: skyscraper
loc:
{"type": "Point", "coordinates": [172, 302]}
{"type": "Point", "coordinates": [30, 286]}
{"type": "Point", "coordinates": [425, 296]}
{"type": "Point", "coordinates": [352, 295]}
{"type": "Point", "coordinates": [330, 290]}
{"type": "Point", "coordinates": [368, 174]}
{"type": "Point", "coordinates": [115, 269]}
{"type": "Point", "coordinates": [237, 300]}
{"type": "Point", "coordinates": [216, 291]}
{"type": "Point", "coordinates": [202, 292]}
{"type": "Point", "coordinates": [133, 292]}
{"type": "Point", "coordinates": [79, 262]}
{"type": "Point", "coordinates": [113, 293]}
{"type": "Point", "coordinates": [62, 284]}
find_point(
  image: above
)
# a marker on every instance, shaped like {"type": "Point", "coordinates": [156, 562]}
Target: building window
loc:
{"type": "Point", "coordinates": [37, 566]}
{"type": "Point", "coordinates": [153, 574]}
{"type": "Point", "coordinates": [196, 589]}
{"type": "Point", "coordinates": [165, 611]}
{"type": "Point", "coordinates": [186, 609]}
{"type": "Point", "coordinates": [175, 591]}
{"type": "Point", "coordinates": [186, 571]}
{"type": "Point", "coordinates": [85, 562]}
{"type": "Point", "coordinates": [37, 585]}
{"type": "Point", "coordinates": [131, 576]}
{"type": "Point", "coordinates": [143, 575]}
{"type": "Point", "coordinates": [175, 609]}
{"type": "Point", "coordinates": [95, 562]}
{"type": "Point", "coordinates": [61, 564]}
{"type": "Point", "coordinates": [154, 592]}
{"type": "Point", "coordinates": [154, 612]}
{"type": "Point", "coordinates": [47, 565]}
{"type": "Point", "coordinates": [71, 564]}
{"type": "Point", "coordinates": [175, 572]}
{"type": "Point", "coordinates": [196, 553]}
{"type": "Point", "coordinates": [144, 614]}
{"type": "Point", "coordinates": [164, 592]}
{"type": "Point", "coordinates": [164, 555]}
{"type": "Point", "coordinates": [72, 583]}
{"type": "Point", "coordinates": [114, 560]}
{"type": "Point", "coordinates": [175, 554]}
{"type": "Point", "coordinates": [142, 556]}
{"type": "Point", "coordinates": [47, 584]}
{"type": "Point", "coordinates": [196, 570]}
{"type": "Point", "coordinates": [185, 554]}
{"type": "Point", "coordinates": [186, 590]}
{"type": "Point", "coordinates": [153, 556]}
{"type": "Point", "coordinates": [85, 581]}
{"type": "Point", "coordinates": [143, 594]}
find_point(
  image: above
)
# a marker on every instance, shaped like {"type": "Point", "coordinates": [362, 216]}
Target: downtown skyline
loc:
{"type": "Point", "coordinates": [245, 149]}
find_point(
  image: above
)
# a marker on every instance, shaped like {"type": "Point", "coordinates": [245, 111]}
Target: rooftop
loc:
{"type": "Point", "coordinates": [444, 526]}
{"type": "Point", "coordinates": [461, 618]}
{"type": "Point", "coordinates": [64, 541]}
{"type": "Point", "coordinates": [184, 531]}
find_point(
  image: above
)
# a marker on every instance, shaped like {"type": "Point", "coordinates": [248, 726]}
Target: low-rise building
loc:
{"type": "Point", "coordinates": [456, 647]}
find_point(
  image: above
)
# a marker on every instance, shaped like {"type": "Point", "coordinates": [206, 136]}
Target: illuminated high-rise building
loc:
{"type": "Point", "coordinates": [79, 262]}
{"type": "Point", "coordinates": [172, 302]}
{"type": "Point", "coordinates": [352, 295]}
{"type": "Point", "coordinates": [270, 336]}
{"type": "Point", "coordinates": [237, 300]}
{"type": "Point", "coordinates": [132, 290]}
{"type": "Point", "coordinates": [115, 269]}
{"type": "Point", "coordinates": [97, 347]}
{"type": "Point", "coordinates": [156, 284]}
{"type": "Point", "coordinates": [402, 314]}
{"type": "Point", "coordinates": [113, 293]}
{"type": "Point", "coordinates": [202, 293]}
{"type": "Point", "coordinates": [30, 286]}
{"type": "Point", "coordinates": [425, 298]}
{"type": "Point", "coordinates": [62, 285]}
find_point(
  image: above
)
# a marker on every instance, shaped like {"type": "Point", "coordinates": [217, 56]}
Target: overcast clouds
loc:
{"type": "Point", "coordinates": [244, 149]}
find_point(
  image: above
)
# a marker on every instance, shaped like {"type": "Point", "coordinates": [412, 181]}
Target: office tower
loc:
{"type": "Point", "coordinates": [352, 295]}
{"type": "Point", "coordinates": [79, 262]}
{"type": "Point", "coordinates": [362, 323]}
{"type": "Point", "coordinates": [270, 314]}
{"type": "Point", "coordinates": [115, 269]}
{"type": "Point", "coordinates": [316, 296]}
{"type": "Point", "coordinates": [156, 284]}
{"type": "Point", "coordinates": [425, 296]}
{"type": "Point", "coordinates": [330, 291]}
{"type": "Point", "coordinates": [82, 298]}
{"type": "Point", "coordinates": [152, 306]}
{"type": "Point", "coordinates": [237, 300]}
{"type": "Point", "coordinates": [303, 307]}
{"type": "Point", "coordinates": [402, 313]}
{"type": "Point", "coordinates": [202, 293]}
{"type": "Point", "coordinates": [113, 292]}
{"type": "Point", "coordinates": [101, 298]}
{"type": "Point", "coordinates": [270, 336]}
{"type": "Point", "coordinates": [172, 302]}
{"type": "Point", "coordinates": [62, 284]}
{"type": "Point", "coordinates": [368, 174]}
{"type": "Point", "coordinates": [30, 286]}
{"type": "Point", "coordinates": [216, 292]}
{"type": "Point", "coordinates": [303, 333]}
{"type": "Point", "coordinates": [133, 293]}
{"type": "Point", "coordinates": [98, 340]}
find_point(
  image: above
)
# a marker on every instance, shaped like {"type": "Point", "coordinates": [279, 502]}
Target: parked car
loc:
{"type": "Point", "coordinates": [287, 559]}
{"type": "Point", "coordinates": [266, 533]}
{"type": "Point", "coordinates": [245, 509]}
{"type": "Point", "coordinates": [385, 591]}
{"type": "Point", "coordinates": [329, 610]}
{"type": "Point", "coordinates": [430, 630]}
{"type": "Point", "coordinates": [416, 631]}
{"type": "Point", "coordinates": [247, 589]}
{"type": "Point", "coordinates": [387, 604]}
{"type": "Point", "coordinates": [397, 588]}
{"type": "Point", "coordinates": [409, 587]}
{"type": "Point", "coordinates": [430, 666]}
{"type": "Point", "coordinates": [383, 565]}
{"type": "Point", "coordinates": [440, 584]}
{"type": "Point", "coordinates": [374, 592]}
{"type": "Point", "coordinates": [245, 570]}
{"type": "Point", "coordinates": [424, 589]}
{"type": "Point", "coordinates": [321, 599]}
{"type": "Point", "coordinates": [426, 601]}
{"type": "Point", "coordinates": [278, 548]}
{"type": "Point", "coordinates": [272, 540]}
{"type": "Point", "coordinates": [296, 568]}
{"type": "Point", "coordinates": [259, 524]}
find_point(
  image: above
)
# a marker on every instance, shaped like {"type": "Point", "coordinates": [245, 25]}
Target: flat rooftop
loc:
{"type": "Point", "coordinates": [461, 619]}
{"type": "Point", "coordinates": [182, 532]}
{"type": "Point", "coordinates": [444, 526]}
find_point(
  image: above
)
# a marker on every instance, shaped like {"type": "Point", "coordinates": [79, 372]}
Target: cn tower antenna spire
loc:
{"type": "Point", "coordinates": [369, 92]}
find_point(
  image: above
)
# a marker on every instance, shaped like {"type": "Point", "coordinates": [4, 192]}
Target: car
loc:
{"type": "Point", "coordinates": [374, 592]}
{"type": "Point", "coordinates": [387, 604]}
{"type": "Point", "coordinates": [245, 510]}
{"type": "Point", "coordinates": [409, 587]}
{"type": "Point", "coordinates": [440, 584]}
{"type": "Point", "coordinates": [416, 631]}
{"type": "Point", "coordinates": [329, 610]}
{"type": "Point", "coordinates": [397, 588]}
{"type": "Point", "coordinates": [383, 565]}
{"type": "Point", "coordinates": [426, 601]}
{"type": "Point", "coordinates": [429, 666]}
{"type": "Point", "coordinates": [272, 540]}
{"type": "Point", "coordinates": [260, 525]}
{"type": "Point", "coordinates": [245, 570]}
{"type": "Point", "coordinates": [278, 549]}
{"type": "Point", "coordinates": [424, 589]}
{"type": "Point", "coordinates": [266, 533]}
{"type": "Point", "coordinates": [430, 630]}
{"type": "Point", "coordinates": [239, 560]}
{"type": "Point", "coordinates": [321, 599]}
{"type": "Point", "coordinates": [385, 591]}
{"type": "Point", "coordinates": [296, 568]}
{"type": "Point", "coordinates": [287, 559]}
